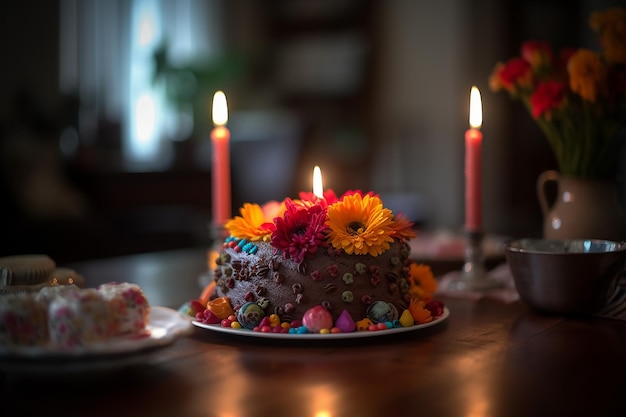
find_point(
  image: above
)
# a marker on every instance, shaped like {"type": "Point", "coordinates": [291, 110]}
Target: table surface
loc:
{"type": "Point", "coordinates": [487, 359]}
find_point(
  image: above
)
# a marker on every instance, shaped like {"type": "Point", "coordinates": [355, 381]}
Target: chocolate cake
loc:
{"type": "Point", "coordinates": [330, 278]}
{"type": "Point", "coordinates": [346, 258]}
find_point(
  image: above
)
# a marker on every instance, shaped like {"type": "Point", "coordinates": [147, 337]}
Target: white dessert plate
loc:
{"type": "Point", "coordinates": [318, 336]}
{"type": "Point", "coordinates": [165, 326]}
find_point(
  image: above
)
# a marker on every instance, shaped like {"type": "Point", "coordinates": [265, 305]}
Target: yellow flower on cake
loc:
{"type": "Point", "coordinates": [360, 225]}
{"type": "Point", "coordinates": [252, 224]}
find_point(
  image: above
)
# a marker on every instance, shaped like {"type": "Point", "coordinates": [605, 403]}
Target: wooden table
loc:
{"type": "Point", "coordinates": [487, 359]}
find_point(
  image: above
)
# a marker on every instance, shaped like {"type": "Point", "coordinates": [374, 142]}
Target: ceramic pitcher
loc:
{"type": "Point", "coordinates": [583, 208]}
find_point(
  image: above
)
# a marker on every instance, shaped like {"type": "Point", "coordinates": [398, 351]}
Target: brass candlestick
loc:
{"type": "Point", "coordinates": [473, 276]}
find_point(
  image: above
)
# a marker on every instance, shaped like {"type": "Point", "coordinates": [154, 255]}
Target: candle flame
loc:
{"type": "Point", "coordinates": [318, 189]}
{"type": "Point", "coordinates": [476, 109]}
{"type": "Point", "coordinates": [220, 109]}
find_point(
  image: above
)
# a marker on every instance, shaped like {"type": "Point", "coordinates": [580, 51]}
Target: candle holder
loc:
{"type": "Point", "coordinates": [474, 276]}
{"type": "Point", "coordinates": [217, 234]}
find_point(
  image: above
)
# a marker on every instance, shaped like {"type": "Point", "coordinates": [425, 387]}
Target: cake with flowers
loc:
{"type": "Point", "coordinates": [331, 264]}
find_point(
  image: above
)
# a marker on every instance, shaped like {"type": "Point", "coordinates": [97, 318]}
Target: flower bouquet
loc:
{"type": "Point", "coordinates": [577, 98]}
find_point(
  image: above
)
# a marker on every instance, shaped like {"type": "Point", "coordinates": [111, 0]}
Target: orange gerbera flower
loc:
{"type": "Point", "coordinates": [611, 25]}
{"type": "Point", "coordinates": [537, 53]}
{"type": "Point", "coordinates": [419, 312]}
{"type": "Point", "coordinates": [587, 74]}
{"type": "Point", "coordinates": [360, 225]}
{"type": "Point", "coordinates": [422, 281]}
{"type": "Point", "coordinates": [402, 228]}
{"type": "Point", "coordinates": [251, 225]}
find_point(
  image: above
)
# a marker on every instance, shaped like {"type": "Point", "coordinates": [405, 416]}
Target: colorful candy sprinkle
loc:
{"type": "Point", "coordinates": [345, 322]}
{"type": "Point", "coordinates": [317, 318]}
{"type": "Point", "coordinates": [406, 319]}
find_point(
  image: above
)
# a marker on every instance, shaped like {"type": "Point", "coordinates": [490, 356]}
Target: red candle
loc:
{"type": "Point", "coordinates": [220, 138]}
{"type": "Point", "coordinates": [473, 165]}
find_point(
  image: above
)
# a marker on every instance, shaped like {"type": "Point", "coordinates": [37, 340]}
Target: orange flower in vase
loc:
{"type": "Point", "coordinates": [577, 97]}
{"type": "Point", "coordinates": [578, 100]}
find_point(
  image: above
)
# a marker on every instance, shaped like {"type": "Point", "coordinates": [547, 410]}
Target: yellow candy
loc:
{"type": "Point", "coordinates": [406, 319]}
{"type": "Point", "coordinates": [324, 331]}
{"type": "Point", "coordinates": [364, 324]}
{"type": "Point", "coordinates": [235, 325]}
{"type": "Point", "coordinates": [285, 325]}
{"type": "Point", "coordinates": [274, 320]}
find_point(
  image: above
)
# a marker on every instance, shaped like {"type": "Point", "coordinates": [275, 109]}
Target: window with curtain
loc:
{"type": "Point", "coordinates": [107, 61]}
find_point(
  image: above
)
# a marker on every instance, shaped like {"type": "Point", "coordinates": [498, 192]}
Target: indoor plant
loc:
{"type": "Point", "coordinates": [578, 99]}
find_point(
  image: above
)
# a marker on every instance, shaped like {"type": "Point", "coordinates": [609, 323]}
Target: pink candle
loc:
{"type": "Point", "coordinates": [473, 165]}
{"type": "Point", "coordinates": [220, 138]}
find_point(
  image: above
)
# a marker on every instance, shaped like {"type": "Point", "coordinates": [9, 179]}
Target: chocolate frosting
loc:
{"type": "Point", "coordinates": [330, 278]}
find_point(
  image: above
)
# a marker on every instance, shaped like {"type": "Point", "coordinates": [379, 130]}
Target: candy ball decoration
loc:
{"type": "Point", "coordinates": [382, 311]}
{"type": "Point", "coordinates": [317, 318]}
{"type": "Point", "coordinates": [250, 315]}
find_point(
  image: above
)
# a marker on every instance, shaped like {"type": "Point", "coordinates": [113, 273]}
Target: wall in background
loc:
{"type": "Point", "coordinates": [378, 93]}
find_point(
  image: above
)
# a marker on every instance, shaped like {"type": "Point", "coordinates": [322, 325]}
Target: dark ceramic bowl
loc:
{"type": "Point", "coordinates": [566, 276]}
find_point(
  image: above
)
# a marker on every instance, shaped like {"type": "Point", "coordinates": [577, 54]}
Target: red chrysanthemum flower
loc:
{"type": "Point", "coordinates": [515, 73]}
{"type": "Point", "coordinates": [537, 53]}
{"type": "Point", "coordinates": [548, 96]}
{"type": "Point", "coordinates": [300, 231]}
{"type": "Point", "coordinates": [309, 196]}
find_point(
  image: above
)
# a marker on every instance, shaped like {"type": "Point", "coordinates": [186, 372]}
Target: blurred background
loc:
{"type": "Point", "coordinates": [105, 112]}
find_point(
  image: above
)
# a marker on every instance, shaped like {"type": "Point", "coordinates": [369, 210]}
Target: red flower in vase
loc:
{"type": "Point", "coordinates": [548, 96]}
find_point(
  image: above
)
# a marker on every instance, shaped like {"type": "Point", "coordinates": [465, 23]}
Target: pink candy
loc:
{"type": "Point", "coordinates": [317, 318]}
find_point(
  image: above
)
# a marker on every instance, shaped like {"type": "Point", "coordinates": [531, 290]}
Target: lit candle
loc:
{"type": "Point", "coordinates": [318, 189]}
{"type": "Point", "coordinates": [220, 137]}
{"type": "Point", "coordinates": [473, 164]}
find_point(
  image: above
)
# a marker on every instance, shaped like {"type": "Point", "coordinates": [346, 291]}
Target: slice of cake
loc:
{"type": "Point", "coordinates": [129, 305]}
{"type": "Point", "coordinates": [78, 318]}
{"type": "Point", "coordinates": [67, 316]}
{"type": "Point", "coordinates": [23, 320]}
{"type": "Point", "coordinates": [48, 293]}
